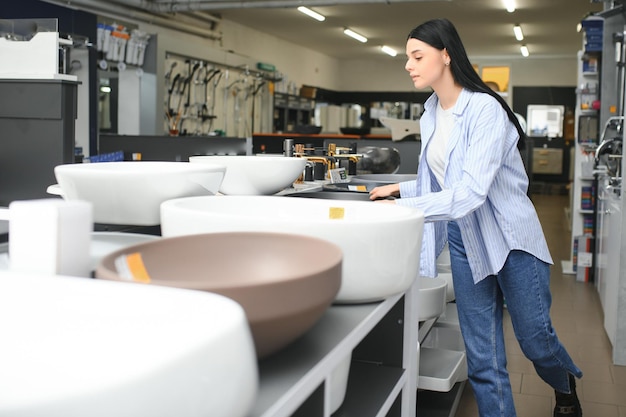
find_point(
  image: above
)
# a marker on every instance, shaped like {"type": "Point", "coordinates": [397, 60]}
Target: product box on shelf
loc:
{"type": "Point", "coordinates": [593, 30]}
{"type": "Point", "coordinates": [583, 258]}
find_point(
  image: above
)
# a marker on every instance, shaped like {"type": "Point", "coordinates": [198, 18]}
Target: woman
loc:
{"type": "Point", "coordinates": [472, 187]}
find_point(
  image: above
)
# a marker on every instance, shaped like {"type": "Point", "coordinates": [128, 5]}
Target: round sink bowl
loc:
{"type": "Point", "coordinates": [78, 347]}
{"type": "Point", "coordinates": [255, 175]}
{"type": "Point", "coordinates": [380, 242]}
{"type": "Point", "coordinates": [432, 298]}
{"type": "Point", "coordinates": [282, 293]}
{"type": "Point", "coordinates": [131, 192]}
{"type": "Point", "coordinates": [378, 160]}
{"type": "Point", "coordinates": [444, 271]}
{"type": "Point", "coordinates": [447, 276]}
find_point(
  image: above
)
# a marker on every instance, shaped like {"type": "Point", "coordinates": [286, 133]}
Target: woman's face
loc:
{"type": "Point", "coordinates": [425, 64]}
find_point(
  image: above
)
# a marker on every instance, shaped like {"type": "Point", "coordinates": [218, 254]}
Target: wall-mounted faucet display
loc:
{"type": "Point", "coordinates": [205, 98]}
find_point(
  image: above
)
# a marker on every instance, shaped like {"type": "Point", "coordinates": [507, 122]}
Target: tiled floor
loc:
{"type": "Point", "coordinates": [578, 319]}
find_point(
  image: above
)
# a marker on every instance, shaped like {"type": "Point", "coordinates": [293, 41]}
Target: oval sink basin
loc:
{"type": "Point", "coordinates": [444, 271]}
{"type": "Point", "coordinates": [432, 298]}
{"type": "Point", "coordinates": [131, 192]}
{"type": "Point", "coordinates": [447, 276]}
{"type": "Point", "coordinates": [78, 347]}
{"type": "Point", "coordinates": [255, 175]}
{"type": "Point", "coordinates": [267, 273]}
{"type": "Point", "coordinates": [380, 242]}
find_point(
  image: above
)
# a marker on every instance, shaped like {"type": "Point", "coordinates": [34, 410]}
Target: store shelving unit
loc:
{"type": "Point", "coordinates": [382, 341]}
{"type": "Point", "coordinates": [582, 209]}
{"type": "Point", "coordinates": [292, 111]}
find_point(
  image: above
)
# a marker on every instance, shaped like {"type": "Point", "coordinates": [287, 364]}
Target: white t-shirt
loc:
{"type": "Point", "coordinates": [438, 146]}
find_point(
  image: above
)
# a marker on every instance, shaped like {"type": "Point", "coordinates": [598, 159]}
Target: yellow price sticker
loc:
{"type": "Point", "coordinates": [336, 213]}
{"type": "Point", "coordinates": [136, 268]}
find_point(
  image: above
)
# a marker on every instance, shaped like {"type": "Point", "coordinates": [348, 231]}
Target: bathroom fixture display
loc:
{"type": "Point", "coordinates": [267, 273]}
{"type": "Point", "coordinates": [380, 242]}
{"type": "Point", "coordinates": [77, 347]}
{"type": "Point", "coordinates": [254, 175]}
{"type": "Point", "coordinates": [432, 297]}
{"type": "Point", "coordinates": [131, 192]}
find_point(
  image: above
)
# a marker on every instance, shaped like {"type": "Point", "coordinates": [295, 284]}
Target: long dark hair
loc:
{"type": "Point", "coordinates": [440, 34]}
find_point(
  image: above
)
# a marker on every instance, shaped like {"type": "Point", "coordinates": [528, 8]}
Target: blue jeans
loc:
{"type": "Point", "coordinates": [524, 282]}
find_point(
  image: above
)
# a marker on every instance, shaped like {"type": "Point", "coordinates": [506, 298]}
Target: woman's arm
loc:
{"type": "Point", "coordinates": [483, 145]}
{"type": "Point", "coordinates": [384, 191]}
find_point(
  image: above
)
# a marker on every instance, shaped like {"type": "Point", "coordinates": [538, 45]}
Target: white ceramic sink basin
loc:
{"type": "Point", "coordinates": [444, 271]}
{"type": "Point", "coordinates": [432, 297]}
{"type": "Point", "coordinates": [380, 242]}
{"type": "Point", "coordinates": [131, 192]}
{"type": "Point", "coordinates": [75, 347]}
{"type": "Point", "coordinates": [255, 175]}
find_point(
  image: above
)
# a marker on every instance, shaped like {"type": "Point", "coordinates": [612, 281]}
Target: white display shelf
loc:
{"type": "Point", "coordinates": [442, 359]}
{"type": "Point", "coordinates": [440, 369]}
{"type": "Point", "coordinates": [581, 149]}
{"type": "Point", "coordinates": [295, 381]}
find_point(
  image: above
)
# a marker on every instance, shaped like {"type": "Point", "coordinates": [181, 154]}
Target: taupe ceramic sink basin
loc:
{"type": "Point", "coordinates": [282, 293]}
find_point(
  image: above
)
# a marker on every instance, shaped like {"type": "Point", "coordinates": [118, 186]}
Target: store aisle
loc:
{"type": "Point", "coordinates": [578, 319]}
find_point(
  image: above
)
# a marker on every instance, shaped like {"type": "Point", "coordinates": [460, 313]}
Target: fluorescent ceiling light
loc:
{"type": "Point", "coordinates": [524, 50]}
{"type": "Point", "coordinates": [509, 5]}
{"type": "Point", "coordinates": [355, 35]}
{"type": "Point", "coordinates": [105, 89]}
{"type": "Point", "coordinates": [388, 50]}
{"type": "Point", "coordinates": [311, 13]}
{"type": "Point", "coordinates": [517, 30]}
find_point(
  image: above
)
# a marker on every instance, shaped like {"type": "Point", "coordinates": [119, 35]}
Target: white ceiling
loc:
{"type": "Point", "coordinates": [484, 25]}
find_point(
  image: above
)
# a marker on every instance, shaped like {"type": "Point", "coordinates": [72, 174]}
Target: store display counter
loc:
{"type": "Point", "coordinates": [383, 374]}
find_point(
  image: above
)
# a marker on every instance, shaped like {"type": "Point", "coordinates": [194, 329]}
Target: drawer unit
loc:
{"type": "Point", "coordinates": [547, 161]}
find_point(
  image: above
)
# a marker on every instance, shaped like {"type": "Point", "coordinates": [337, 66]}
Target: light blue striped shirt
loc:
{"type": "Point", "coordinates": [484, 190]}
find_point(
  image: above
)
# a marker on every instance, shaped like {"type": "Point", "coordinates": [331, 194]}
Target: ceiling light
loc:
{"type": "Point", "coordinates": [355, 35]}
{"type": "Point", "coordinates": [311, 13]}
{"type": "Point", "coordinates": [509, 5]}
{"type": "Point", "coordinates": [524, 50]}
{"type": "Point", "coordinates": [517, 30]}
{"type": "Point", "coordinates": [388, 50]}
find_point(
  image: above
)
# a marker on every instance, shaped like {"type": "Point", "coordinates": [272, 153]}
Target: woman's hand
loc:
{"type": "Point", "coordinates": [391, 190]}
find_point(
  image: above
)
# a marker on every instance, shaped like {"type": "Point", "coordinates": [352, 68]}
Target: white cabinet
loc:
{"type": "Point", "coordinates": [608, 256]}
{"type": "Point", "coordinates": [547, 161]}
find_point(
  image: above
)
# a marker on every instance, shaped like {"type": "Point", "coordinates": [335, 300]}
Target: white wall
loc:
{"type": "Point", "coordinates": [305, 66]}
{"type": "Point", "coordinates": [241, 46]}
{"type": "Point", "coordinates": [391, 76]}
